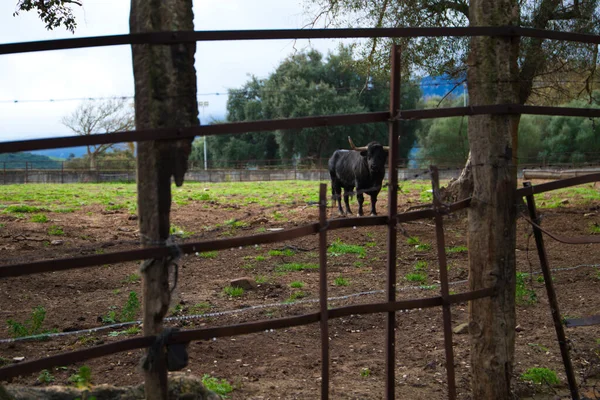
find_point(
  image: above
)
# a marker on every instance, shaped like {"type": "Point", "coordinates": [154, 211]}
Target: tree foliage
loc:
{"type": "Point", "coordinates": [54, 13]}
{"type": "Point", "coordinates": [308, 84]}
{"type": "Point", "coordinates": [99, 117]}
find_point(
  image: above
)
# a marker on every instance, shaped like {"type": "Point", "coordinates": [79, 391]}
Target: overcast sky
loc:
{"type": "Point", "coordinates": [29, 81]}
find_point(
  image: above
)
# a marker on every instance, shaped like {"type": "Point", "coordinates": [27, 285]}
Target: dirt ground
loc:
{"type": "Point", "coordinates": [285, 364]}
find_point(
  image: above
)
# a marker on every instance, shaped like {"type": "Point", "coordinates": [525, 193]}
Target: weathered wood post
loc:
{"type": "Point", "coordinates": [165, 97]}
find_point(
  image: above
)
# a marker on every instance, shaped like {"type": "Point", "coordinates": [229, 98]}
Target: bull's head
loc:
{"type": "Point", "coordinates": [375, 154]}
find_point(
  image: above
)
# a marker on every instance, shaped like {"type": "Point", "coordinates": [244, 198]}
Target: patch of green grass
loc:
{"type": "Point", "coordinates": [115, 207]}
{"type": "Point", "coordinates": [31, 326]}
{"type": "Point", "coordinates": [64, 210]}
{"type": "Point", "coordinates": [234, 223]}
{"type": "Point", "coordinates": [538, 346]}
{"type": "Point", "coordinates": [208, 254]}
{"type": "Point", "coordinates": [261, 279]}
{"type": "Point", "coordinates": [55, 230]}
{"type": "Point", "coordinates": [595, 228]}
{"type": "Point", "coordinates": [297, 285]}
{"type": "Point", "coordinates": [24, 209]}
{"type": "Point", "coordinates": [233, 291]}
{"type": "Point", "coordinates": [83, 378]}
{"type": "Point", "coordinates": [413, 241]}
{"type": "Point", "coordinates": [292, 267]}
{"type": "Point", "coordinates": [338, 248]}
{"type": "Point", "coordinates": [295, 296]}
{"type": "Point", "coordinates": [45, 376]}
{"type": "Point", "coordinates": [540, 375]}
{"type": "Point", "coordinates": [370, 244]}
{"type": "Point", "coordinates": [523, 295]}
{"type": "Point", "coordinates": [281, 253]}
{"type": "Point", "coordinates": [365, 372]}
{"type": "Point", "coordinates": [358, 264]}
{"type": "Point", "coordinates": [416, 277]}
{"type": "Point", "coordinates": [132, 278]}
{"type": "Point", "coordinates": [179, 232]}
{"type": "Point", "coordinates": [341, 281]}
{"type": "Point", "coordinates": [131, 331]}
{"type": "Point", "coordinates": [457, 249]}
{"type": "Point", "coordinates": [426, 196]}
{"type": "Point", "coordinates": [131, 308]}
{"type": "Point", "coordinates": [218, 386]}
{"type": "Point", "coordinates": [260, 258]}
{"type": "Point", "coordinates": [39, 218]}
{"type": "Point", "coordinates": [423, 247]}
{"type": "Point", "coordinates": [420, 265]}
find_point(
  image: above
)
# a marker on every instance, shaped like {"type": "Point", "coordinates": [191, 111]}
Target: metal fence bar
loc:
{"type": "Point", "coordinates": [392, 234]}
{"type": "Point", "coordinates": [187, 336]}
{"type": "Point", "coordinates": [324, 313]}
{"type": "Point", "coordinates": [446, 312]}
{"type": "Point", "coordinates": [195, 36]}
{"type": "Point", "coordinates": [554, 309]}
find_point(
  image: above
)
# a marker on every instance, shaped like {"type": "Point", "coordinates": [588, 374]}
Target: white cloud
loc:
{"type": "Point", "coordinates": [107, 71]}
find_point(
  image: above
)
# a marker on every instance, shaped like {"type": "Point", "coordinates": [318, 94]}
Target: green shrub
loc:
{"type": "Point", "coordinates": [40, 218]}
{"type": "Point", "coordinates": [32, 326]}
{"type": "Point", "coordinates": [540, 375]}
{"type": "Point", "coordinates": [416, 277]}
{"type": "Point", "coordinates": [220, 387]}
{"type": "Point", "coordinates": [337, 248]}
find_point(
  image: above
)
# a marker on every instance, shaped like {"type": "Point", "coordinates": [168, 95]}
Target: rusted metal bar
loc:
{"type": "Point", "coordinates": [392, 234]}
{"type": "Point", "coordinates": [323, 291]}
{"type": "Point", "coordinates": [554, 309]}
{"type": "Point", "coordinates": [441, 252]}
{"type": "Point", "coordinates": [194, 36]}
{"type": "Point", "coordinates": [563, 183]}
{"type": "Point", "coordinates": [271, 125]}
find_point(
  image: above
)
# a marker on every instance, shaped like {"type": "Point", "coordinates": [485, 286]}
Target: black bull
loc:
{"type": "Point", "coordinates": [363, 168]}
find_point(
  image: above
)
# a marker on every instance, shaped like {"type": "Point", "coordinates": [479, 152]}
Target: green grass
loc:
{"type": "Point", "coordinates": [40, 218]}
{"type": "Point", "coordinates": [234, 223]}
{"type": "Point", "coordinates": [341, 281]}
{"type": "Point", "coordinates": [595, 228]}
{"type": "Point", "coordinates": [281, 253]}
{"type": "Point", "coordinates": [297, 285]}
{"type": "Point", "coordinates": [416, 277]}
{"type": "Point", "coordinates": [523, 295]}
{"type": "Point", "coordinates": [55, 230]}
{"type": "Point", "coordinates": [423, 247]}
{"type": "Point", "coordinates": [218, 386]}
{"type": "Point", "coordinates": [457, 249]}
{"type": "Point", "coordinates": [180, 232]}
{"type": "Point", "coordinates": [413, 241]}
{"type": "Point", "coordinates": [208, 254]}
{"type": "Point", "coordinates": [131, 331]}
{"type": "Point", "coordinates": [295, 296]}
{"type": "Point", "coordinates": [132, 278]}
{"type": "Point", "coordinates": [24, 209]}
{"type": "Point", "coordinates": [260, 258]}
{"type": "Point", "coordinates": [131, 308]}
{"type": "Point", "coordinates": [365, 372]}
{"type": "Point", "coordinates": [338, 248]}
{"type": "Point", "coordinates": [420, 265]}
{"type": "Point", "coordinates": [83, 378]}
{"type": "Point", "coordinates": [115, 207]}
{"type": "Point", "coordinates": [293, 267]}
{"type": "Point", "coordinates": [540, 375]}
{"type": "Point", "coordinates": [261, 279]}
{"type": "Point", "coordinates": [31, 326]}
{"type": "Point", "coordinates": [233, 291]}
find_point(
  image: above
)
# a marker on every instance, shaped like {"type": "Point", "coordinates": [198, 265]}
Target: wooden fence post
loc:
{"type": "Point", "coordinates": [165, 97]}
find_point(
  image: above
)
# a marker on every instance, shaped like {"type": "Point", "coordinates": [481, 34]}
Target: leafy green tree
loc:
{"type": "Point", "coordinates": [54, 13]}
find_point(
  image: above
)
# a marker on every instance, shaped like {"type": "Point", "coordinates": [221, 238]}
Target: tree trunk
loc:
{"type": "Point", "coordinates": [492, 79]}
{"type": "Point", "coordinates": [165, 96]}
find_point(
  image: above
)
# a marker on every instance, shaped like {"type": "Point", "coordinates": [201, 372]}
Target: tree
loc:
{"type": "Point", "coordinates": [54, 13]}
{"type": "Point", "coordinates": [98, 117]}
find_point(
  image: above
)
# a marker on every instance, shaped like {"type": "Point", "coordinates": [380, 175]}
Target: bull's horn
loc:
{"type": "Point", "coordinates": [354, 147]}
{"type": "Point", "coordinates": [385, 148]}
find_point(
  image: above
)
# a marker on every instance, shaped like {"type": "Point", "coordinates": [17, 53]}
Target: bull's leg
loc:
{"type": "Point", "coordinates": [347, 200]}
{"type": "Point", "coordinates": [336, 191]}
{"type": "Point", "coordinates": [361, 199]}
{"type": "Point", "coordinates": [373, 202]}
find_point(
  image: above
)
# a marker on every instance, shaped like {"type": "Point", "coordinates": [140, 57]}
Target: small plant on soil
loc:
{"type": "Point", "coordinates": [540, 375]}
{"type": "Point", "coordinates": [45, 377]}
{"type": "Point", "coordinates": [131, 308]}
{"type": "Point", "coordinates": [423, 247]}
{"type": "Point", "coordinates": [55, 230]}
{"type": "Point", "coordinates": [132, 278]}
{"type": "Point", "coordinates": [111, 316]}
{"type": "Point", "coordinates": [365, 372]}
{"type": "Point", "coordinates": [358, 264]}
{"type": "Point", "coordinates": [291, 267]}
{"type": "Point", "coordinates": [261, 279]}
{"type": "Point", "coordinates": [32, 326]}
{"type": "Point", "coordinates": [83, 378]}
{"type": "Point", "coordinates": [297, 285]}
{"type": "Point", "coordinates": [179, 232]}
{"type": "Point", "coordinates": [134, 330]}
{"type": "Point", "coordinates": [416, 277]}
{"type": "Point", "coordinates": [420, 265]}
{"type": "Point", "coordinates": [208, 254]}
{"type": "Point", "coordinates": [199, 308]}
{"type": "Point", "coordinates": [260, 258]}
{"type": "Point", "coordinates": [370, 244]}
{"type": "Point", "coordinates": [39, 218]}
{"type": "Point", "coordinates": [22, 208]}
{"type": "Point", "coordinates": [234, 223]}
{"type": "Point", "coordinates": [295, 296]}
{"type": "Point", "coordinates": [337, 248]}
{"type": "Point", "coordinates": [233, 291]}
{"type": "Point", "coordinates": [413, 241]}
{"type": "Point", "coordinates": [285, 252]}
{"type": "Point", "coordinates": [457, 249]}
{"type": "Point", "coordinates": [524, 295]}
{"type": "Point", "coordinates": [218, 386]}
{"type": "Point", "coordinates": [115, 207]}
{"type": "Point", "coordinates": [341, 281]}
{"type": "Point", "coordinates": [595, 228]}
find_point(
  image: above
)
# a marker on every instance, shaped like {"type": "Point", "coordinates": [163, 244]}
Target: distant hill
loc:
{"type": "Point", "coordinates": [441, 85]}
{"type": "Point", "coordinates": [63, 153]}
{"type": "Point", "coordinates": [29, 160]}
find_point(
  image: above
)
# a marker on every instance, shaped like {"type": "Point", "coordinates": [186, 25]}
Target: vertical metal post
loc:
{"type": "Point", "coordinates": [323, 291]}
{"type": "Point", "coordinates": [394, 132]}
{"type": "Point", "coordinates": [4, 173]}
{"type": "Point", "coordinates": [62, 172]}
{"type": "Point", "coordinates": [560, 332]}
{"type": "Point", "coordinates": [26, 163]}
{"type": "Point", "coordinates": [446, 312]}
